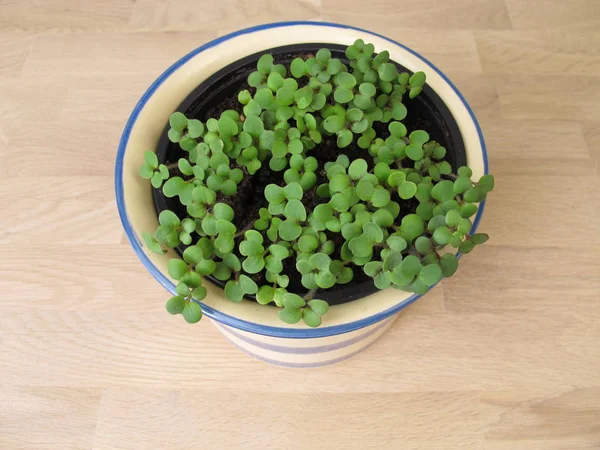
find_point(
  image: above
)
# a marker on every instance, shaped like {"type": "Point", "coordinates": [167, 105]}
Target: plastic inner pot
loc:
{"type": "Point", "coordinates": [219, 92]}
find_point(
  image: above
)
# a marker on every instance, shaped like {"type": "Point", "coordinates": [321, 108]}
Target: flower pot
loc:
{"type": "Point", "coordinates": [349, 326]}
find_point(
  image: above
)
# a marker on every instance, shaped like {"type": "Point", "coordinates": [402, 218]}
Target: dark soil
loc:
{"type": "Point", "coordinates": [250, 196]}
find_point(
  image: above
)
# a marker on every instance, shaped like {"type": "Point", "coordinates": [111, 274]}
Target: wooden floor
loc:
{"type": "Point", "coordinates": [505, 355]}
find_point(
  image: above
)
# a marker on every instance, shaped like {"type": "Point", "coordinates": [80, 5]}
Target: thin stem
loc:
{"type": "Point", "coordinates": [309, 295]}
{"type": "Point", "coordinates": [246, 228]}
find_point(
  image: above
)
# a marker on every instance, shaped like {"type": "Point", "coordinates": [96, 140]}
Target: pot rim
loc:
{"type": "Point", "coordinates": [226, 319]}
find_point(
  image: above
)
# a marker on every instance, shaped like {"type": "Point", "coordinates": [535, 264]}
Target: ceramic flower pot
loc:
{"type": "Point", "coordinates": [348, 327]}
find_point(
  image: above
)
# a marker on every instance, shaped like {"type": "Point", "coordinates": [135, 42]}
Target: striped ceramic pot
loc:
{"type": "Point", "coordinates": [347, 328]}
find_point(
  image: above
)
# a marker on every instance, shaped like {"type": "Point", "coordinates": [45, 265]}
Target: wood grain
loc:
{"type": "Point", "coordinates": [505, 355]}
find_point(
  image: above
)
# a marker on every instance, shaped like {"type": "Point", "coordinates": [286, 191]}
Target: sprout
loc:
{"type": "Point", "coordinates": [265, 67]}
{"type": "Point", "coordinates": [153, 171]}
{"type": "Point", "coordinates": [185, 131]}
{"type": "Point", "coordinates": [399, 212]}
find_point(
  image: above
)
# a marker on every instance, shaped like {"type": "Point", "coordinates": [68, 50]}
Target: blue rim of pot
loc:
{"type": "Point", "coordinates": [225, 319]}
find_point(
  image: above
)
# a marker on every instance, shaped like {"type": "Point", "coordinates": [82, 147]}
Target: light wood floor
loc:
{"type": "Point", "coordinates": [505, 355]}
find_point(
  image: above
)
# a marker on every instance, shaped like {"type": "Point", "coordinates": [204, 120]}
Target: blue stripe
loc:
{"type": "Point", "coordinates": [294, 365]}
{"type": "Point", "coordinates": [304, 350]}
{"type": "Point", "coordinates": [214, 313]}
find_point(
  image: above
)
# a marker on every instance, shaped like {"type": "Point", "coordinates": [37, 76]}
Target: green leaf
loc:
{"type": "Point", "coordinates": [254, 126]}
{"type": "Point", "coordinates": [293, 301]}
{"type": "Point", "coordinates": [464, 226]}
{"type": "Point", "coordinates": [479, 238]}
{"type": "Point", "coordinates": [333, 124]}
{"type": "Point", "coordinates": [193, 254]}
{"type": "Point", "coordinates": [387, 72]}
{"type": "Point", "coordinates": [448, 264]}
{"type": "Point", "coordinates": [373, 232]}
{"type": "Point", "coordinates": [307, 244]}
{"type": "Point", "coordinates": [383, 218]}
{"type": "Point", "coordinates": [466, 247]}
{"type": "Point", "coordinates": [253, 108]}
{"type": "Point", "coordinates": [414, 151]}
{"type": "Point", "coordinates": [358, 168]}
{"type": "Point", "coordinates": [253, 264]}
{"type": "Point", "coordinates": [372, 268]}
{"type": "Point", "coordinates": [367, 89]}
{"type": "Point", "coordinates": [289, 230]}
{"type": "Point", "coordinates": [411, 227]}
{"type": "Point", "coordinates": [223, 211]}
{"type": "Point", "coordinates": [233, 291]}
{"type": "Point", "coordinates": [319, 307]}
{"type": "Point", "coordinates": [361, 246]}
{"type": "Point", "coordinates": [472, 195]}
{"type": "Point", "coordinates": [320, 261]}
{"type": "Point", "coordinates": [178, 121]}
{"type": "Point", "coordinates": [453, 218]}
{"type": "Point", "coordinates": [151, 159]}
{"type": "Point", "coordinates": [175, 305]}
{"type": "Point", "coordinates": [325, 280]}
{"type": "Point", "coordinates": [462, 184]}
{"type": "Point", "coordinates": [334, 66]}
{"type": "Point", "coordinates": [146, 172]}
{"type": "Point", "coordinates": [465, 171]}
{"type": "Point", "coordinates": [411, 266]}
{"type": "Point", "coordinates": [174, 135]}
{"type": "Point", "coordinates": [345, 80]}
{"type": "Point", "coordinates": [364, 190]}
{"type": "Point", "coordinates": [417, 79]}
{"type": "Point", "coordinates": [295, 211]}
{"type": "Point", "coordinates": [293, 191]}
{"type": "Point", "coordinates": [177, 268]}
{"type": "Point", "coordinates": [407, 190]}
{"type": "Point", "coordinates": [310, 318]}
{"type": "Point", "coordinates": [182, 289]}
{"type": "Point", "coordinates": [396, 243]}
{"type": "Point", "coordinates": [344, 138]}
{"type": "Point", "coordinates": [382, 281]}
{"type": "Point", "coordinates": [274, 81]}
{"type": "Point", "coordinates": [340, 202]}
{"type": "Point", "coordinates": [168, 218]}
{"type": "Point", "coordinates": [339, 182]}
{"type": "Point", "coordinates": [199, 293]}
{"type": "Point", "coordinates": [205, 267]}
{"type": "Point", "coordinates": [244, 97]}
{"type": "Point", "coordinates": [414, 92]}
{"type": "Point", "coordinates": [152, 243]}
{"type": "Point", "coordinates": [423, 245]}
{"type": "Point", "coordinates": [265, 63]}
{"type": "Point", "coordinates": [192, 312]}
{"type": "Point", "coordinates": [343, 95]}
{"type": "Point", "coordinates": [290, 316]}
{"type": "Point", "coordinates": [265, 295]}
{"type": "Point", "coordinates": [430, 275]}
{"type": "Point", "coordinates": [467, 210]}
{"type": "Point", "coordinates": [323, 212]}
{"type": "Point", "coordinates": [380, 198]}
{"type": "Point", "coordinates": [232, 261]}
{"type": "Point", "coordinates": [274, 194]}
{"type": "Point", "coordinates": [298, 68]}
{"type": "Point", "coordinates": [285, 96]}
{"type": "Point", "coordinates": [443, 191]}
{"type": "Point", "coordinates": [227, 127]}
{"type": "Point", "coordinates": [248, 285]}
{"type": "Point", "coordinates": [442, 235]}
{"type": "Point", "coordinates": [173, 186]}
{"type": "Point", "coordinates": [486, 183]}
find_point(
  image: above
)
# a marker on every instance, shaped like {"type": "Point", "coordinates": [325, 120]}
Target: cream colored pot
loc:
{"type": "Point", "coordinates": [347, 329]}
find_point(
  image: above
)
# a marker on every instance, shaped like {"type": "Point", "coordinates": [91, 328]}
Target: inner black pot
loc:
{"type": "Point", "coordinates": [219, 92]}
